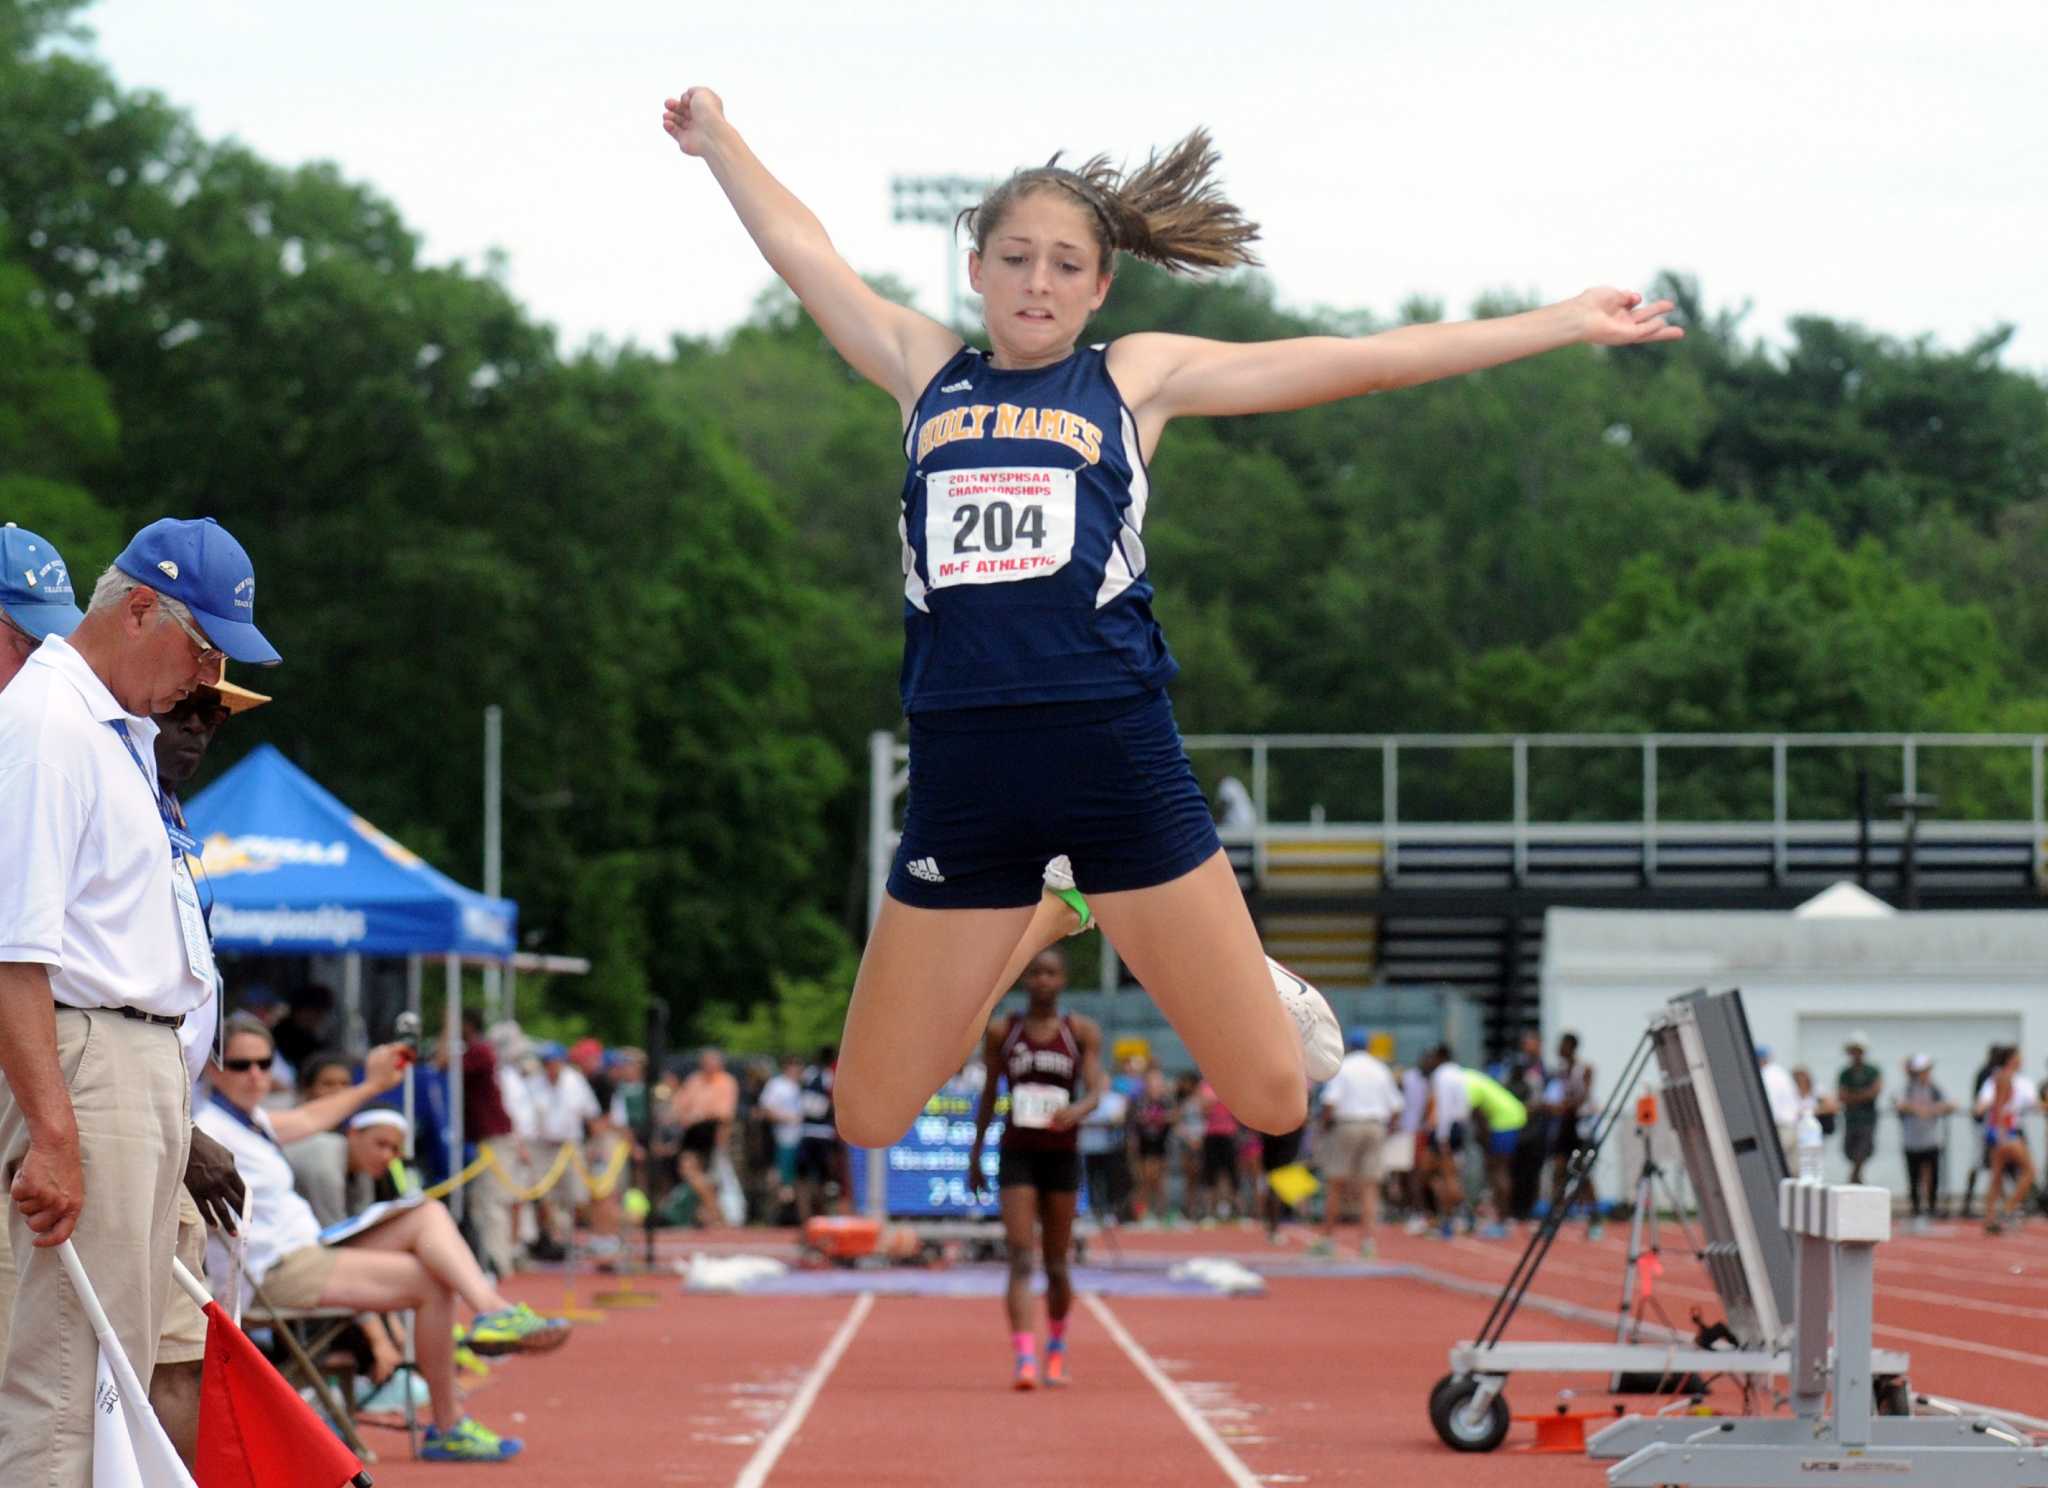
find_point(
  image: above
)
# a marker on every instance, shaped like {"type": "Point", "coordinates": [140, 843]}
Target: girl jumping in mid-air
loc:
{"type": "Point", "coordinates": [1034, 675]}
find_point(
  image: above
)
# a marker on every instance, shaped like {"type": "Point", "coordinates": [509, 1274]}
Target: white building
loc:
{"type": "Point", "coordinates": [1945, 983]}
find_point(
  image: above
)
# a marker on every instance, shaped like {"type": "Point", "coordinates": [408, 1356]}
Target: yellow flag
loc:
{"type": "Point", "coordinates": [1294, 1183]}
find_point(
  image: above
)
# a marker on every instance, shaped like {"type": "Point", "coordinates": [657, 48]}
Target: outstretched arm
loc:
{"type": "Point", "coordinates": [1166, 377]}
{"type": "Point", "coordinates": [383, 1070]}
{"type": "Point", "coordinates": [893, 347]}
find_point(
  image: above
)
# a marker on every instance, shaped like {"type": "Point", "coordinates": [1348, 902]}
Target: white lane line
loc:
{"type": "Point", "coordinates": [1233, 1466]}
{"type": "Point", "coordinates": [1961, 1345]}
{"type": "Point", "coordinates": [755, 1473]}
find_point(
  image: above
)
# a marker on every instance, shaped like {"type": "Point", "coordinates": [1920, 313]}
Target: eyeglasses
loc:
{"type": "Point", "coordinates": [210, 655]}
{"type": "Point", "coordinates": [243, 1066]}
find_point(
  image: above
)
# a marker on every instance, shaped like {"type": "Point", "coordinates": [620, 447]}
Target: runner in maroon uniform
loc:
{"type": "Point", "coordinates": [1053, 1067]}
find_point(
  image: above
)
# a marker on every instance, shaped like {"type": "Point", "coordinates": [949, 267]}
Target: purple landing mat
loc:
{"type": "Point", "coordinates": [991, 1281]}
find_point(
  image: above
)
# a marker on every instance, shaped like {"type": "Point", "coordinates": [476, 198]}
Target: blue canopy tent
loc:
{"type": "Point", "coordinates": [293, 869]}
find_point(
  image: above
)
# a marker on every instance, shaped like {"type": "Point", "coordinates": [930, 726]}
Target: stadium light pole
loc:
{"type": "Point", "coordinates": [939, 201]}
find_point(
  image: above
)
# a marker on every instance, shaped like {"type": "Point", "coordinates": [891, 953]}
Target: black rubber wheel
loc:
{"type": "Point", "coordinates": [1894, 1395]}
{"type": "Point", "coordinates": [1446, 1414]}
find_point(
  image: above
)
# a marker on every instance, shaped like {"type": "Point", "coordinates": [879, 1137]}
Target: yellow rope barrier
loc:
{"type": "Point", "coordinates": [600, 1184]}
{"type": "Point", "coordinates": [448, 1186]}
{"type": "Point", "coordinates": [487, 1161]}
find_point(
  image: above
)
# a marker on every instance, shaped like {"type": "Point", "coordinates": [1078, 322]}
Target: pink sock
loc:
{"type": "Point", "coordinates": [1027, 1346]}
{"type": "Point", "coordinates": [1056, 1333]}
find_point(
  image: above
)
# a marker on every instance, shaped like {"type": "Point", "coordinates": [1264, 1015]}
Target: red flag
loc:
{"type": "Point", "coordinates": [254, 1430]}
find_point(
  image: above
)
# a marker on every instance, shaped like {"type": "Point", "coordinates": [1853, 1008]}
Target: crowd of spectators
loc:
{"type": "Point", "coordinates": [1997, 1100]}
{"type": "Point", "coordinates": [1438, 1145]}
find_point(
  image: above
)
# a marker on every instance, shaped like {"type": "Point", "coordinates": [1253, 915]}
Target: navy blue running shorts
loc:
{"type": "Point", "coordinates": [995, 792]}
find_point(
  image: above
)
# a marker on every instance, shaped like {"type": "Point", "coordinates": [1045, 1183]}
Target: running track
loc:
{"type": "Point", "coordinates": [1321, 1381]}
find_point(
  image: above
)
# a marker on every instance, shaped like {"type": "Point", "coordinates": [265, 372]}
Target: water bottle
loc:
{"type": "Point", "coordinates": [1807, 1140]}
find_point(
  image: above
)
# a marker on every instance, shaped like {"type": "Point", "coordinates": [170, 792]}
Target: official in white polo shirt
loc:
{"type": "Point", "coordinates": [1359, 1103]}
{"type": "Point", "coordinates": [103, 951]}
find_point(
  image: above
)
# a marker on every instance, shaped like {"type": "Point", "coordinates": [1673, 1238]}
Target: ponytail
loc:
{"type": "Point", "coordinates": [1169, 211]}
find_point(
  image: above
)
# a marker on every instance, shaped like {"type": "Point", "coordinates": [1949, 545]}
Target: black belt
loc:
{"type": "Point", "coordinates": [175, 1020]}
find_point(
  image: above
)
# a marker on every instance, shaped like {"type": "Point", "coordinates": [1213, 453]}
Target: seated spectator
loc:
{"type": "Point", "coordinates": [340, 1176]}
{"type": "Point", "coordinates": [320, 1161]}
{"type": "Point", "coordinates": [260, 1002]}
{"type": "Point", "coordinates": [323, 1074]}
{"type": "Point", "coordinates": [414, 1259]}
{"type": "Point", "coordinates": [341, 1173]}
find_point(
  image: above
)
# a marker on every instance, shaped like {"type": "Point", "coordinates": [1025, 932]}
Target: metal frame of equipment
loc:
{"type": "Point", "coordinates": [1718, 1109]}
{"type": "Point", "coordinates": [1838, 1229]}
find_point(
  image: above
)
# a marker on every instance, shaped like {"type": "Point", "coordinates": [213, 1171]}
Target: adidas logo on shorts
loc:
{"type": "Point", "coordinates": [926, 869]}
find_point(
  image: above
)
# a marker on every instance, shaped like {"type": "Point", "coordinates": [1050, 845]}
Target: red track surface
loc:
{"type": "Point", "coordinates": [1322, 1380]}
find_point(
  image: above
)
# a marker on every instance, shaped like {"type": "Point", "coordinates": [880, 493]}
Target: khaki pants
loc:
{"type": "Point", "coordinates": [183, 1340]}
{"type": "Point", "coordinates": [1356, 1150]}
{"type": "Point", "coordinates": [132, 1100]}
{"type": "Point", "coordinates": [491, 1204]}
{"type": "Point", "coordinates": [561, 1202]}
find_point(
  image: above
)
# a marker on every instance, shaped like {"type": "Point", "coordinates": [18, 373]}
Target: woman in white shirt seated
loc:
{"type": "Point", "coordinates": [416, 1258]}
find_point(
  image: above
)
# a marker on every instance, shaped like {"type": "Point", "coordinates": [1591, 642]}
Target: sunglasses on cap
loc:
{"type": "Point", "coordinates": [243, 1066]}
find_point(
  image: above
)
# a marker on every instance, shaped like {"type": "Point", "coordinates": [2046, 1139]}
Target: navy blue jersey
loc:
{"type": "Point", "coordinates": [1023, 571]}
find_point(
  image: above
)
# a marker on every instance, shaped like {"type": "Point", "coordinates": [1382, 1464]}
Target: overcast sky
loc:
{"type": "Point", "coordinates": [1854, 158]}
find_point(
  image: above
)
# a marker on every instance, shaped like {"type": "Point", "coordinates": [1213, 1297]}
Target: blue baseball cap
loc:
{"type": "Point", "coordinates": [550, 1050]}
{"type": "Point", "coordinates": [35, 586]}
{"type": "Point", "coordinates": [198, 564]}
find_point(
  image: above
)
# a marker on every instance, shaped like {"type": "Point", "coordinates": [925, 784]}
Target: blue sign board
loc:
{"type": "Point", "coordinates": [927, 1170]}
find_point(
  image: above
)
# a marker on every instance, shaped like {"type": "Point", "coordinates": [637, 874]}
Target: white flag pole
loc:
{"type": "Point", "coordinates": [124, 1372]}
{"type": "Point", "coordinates": [238, 1257]}
{"type": "Point", "coordinates": [194, 1287]}
{"type": "Point", "coordinates": [130, 1449]}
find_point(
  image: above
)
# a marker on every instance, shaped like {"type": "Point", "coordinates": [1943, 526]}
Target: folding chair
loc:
{"type": "Point", "coordinates": [301, 1366]}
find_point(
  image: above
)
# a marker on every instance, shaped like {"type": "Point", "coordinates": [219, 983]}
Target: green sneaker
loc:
{"type": "Point", "coordinates": [517, 1329]}
{"type": "Point", "coordinates": [1059, 881]}
{"type": "Point", "coordinates": [466, 1441]}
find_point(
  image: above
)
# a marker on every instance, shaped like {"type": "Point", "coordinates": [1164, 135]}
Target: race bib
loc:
{"type": "Point", "coordinates": [1032, 1106]}
{"type": "Point", "coordinates": [997, 526]}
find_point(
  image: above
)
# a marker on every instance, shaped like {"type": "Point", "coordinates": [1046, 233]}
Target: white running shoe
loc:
{"type": "Point", "coordinates": [1322, 1040]}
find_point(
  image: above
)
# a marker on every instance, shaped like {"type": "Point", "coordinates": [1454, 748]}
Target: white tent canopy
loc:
{"type": "Point", "coordinates": [1844, 901]}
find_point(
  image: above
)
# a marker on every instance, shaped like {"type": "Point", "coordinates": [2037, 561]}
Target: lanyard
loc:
{"type": "Point", "coordinates": [246, 1119]}
{"type": "Point", "coordinates": [182, 841]}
